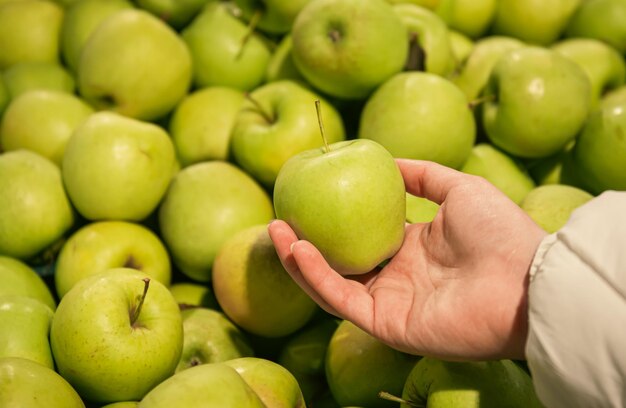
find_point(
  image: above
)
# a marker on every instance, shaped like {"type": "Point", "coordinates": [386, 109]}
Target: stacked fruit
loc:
{"type": "Point", "coordinates": [144, 147]}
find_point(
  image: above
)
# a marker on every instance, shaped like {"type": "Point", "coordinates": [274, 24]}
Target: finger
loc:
{"type": "Point", "coordinates": [349, 298]}
{"type": "Point", "coordinates": [428, 179]}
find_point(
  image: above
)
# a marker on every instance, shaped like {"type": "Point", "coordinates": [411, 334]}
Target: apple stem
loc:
{"type": "Point", "coordinates": [480, 100]}
{"type": "Point", "coordinates": [318, 109]}
{"type": "Point", "coordinates": [252, 24]}
{"type": "Point", "coordinates": [259, 108]}
{"type": "Point", "coordinates": [390, 397]}
{"type": "Point", "coordinates": [135, 313]}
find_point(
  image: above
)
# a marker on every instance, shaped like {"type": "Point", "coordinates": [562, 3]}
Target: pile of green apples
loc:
{"type": "Point", "coordinates": [146, 144]}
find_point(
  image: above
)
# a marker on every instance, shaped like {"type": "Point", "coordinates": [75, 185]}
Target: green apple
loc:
{"type": "Point", "coordinates": [428, 31]}
{"type": "Point", "coordinates": [540, 101]}
{"type": "Point", "coordinates": [539, 22]}
{"type": "Point", "coordinates": [348, 199]}
{"type": "Point", "coordinates": [190, 294]}
{"type": "Point", "coordinates": [177, 13]}
{"type": "Point", "coordinates": [281, 64]}
{"type": "Point", "coordinates": [474, 74]}
{"type": "Point", "coordinates": [205, 205]}
{"type": "Point", "coordinates": [602, 20]}
{"type": "Point", "coordinates": [19, 279]}
{"type": "Point", "coordinates": [429, 4]}
{"type": "Point", "coordinates": [419, 209]}
{"type": "Point", "coordinates": [503, 171]}
{"type": "Point", "coordinates": [134, 64]}
{"type": "Point", "coordinates": [27, 76]}
{"type": "Point", "coordinates": [25, 383]}
{"type": "Point", "coordinates": [358, 367]}
{"type": "Point", "coordinates": [80, 20]}
{"type": "Point", "coordinates": [113, 343]}
{"type": "Point", "coordinates": [35, 211]}
{"type": "Point", "coordinates": [104, 245]}
{"type": "Point", "coordinates": [223, 53]}
{"type": "Point", "coordinates": [550, 206]}
{"type": "Point", "coordinates": [555, 169]}
{"type": "Point", "coordinates": [123, 404]}
{"type": "Point", "coordinates": [5, 97]}
{"type": "Point", "coordinates": [253, 288]}
{"type": "Point", "coordinates": [499, 383]}
{"type": "Point", "coordinates": [470, 17]}
{"type": "Point", "coordinates": [202, 122]}
{"type": "Point", "coordinates": [278, 123]}
{"type": "Point", "coordinates": [462, 47]}
{"type": "Point", "coordinates": [116, 167]}
{"type": "Point", "coordinates": [275, 16]}
{"type": "Point", "coordinates": [273, 383]}
{"type": "Point", "coordinates": [29, 32]}
{"type": "Point", "coordinates": [42, 121]}
{"type": "Point", "coordinates": [423, 116]}
{"type": "Point", "coordinates": [205, 385]}
{"type": "Point", "coordinates": [347, 48]}
{"type": "Point", "coordinates": [210, 337]}
{"type": "Point", "coordinates": [605, 66]}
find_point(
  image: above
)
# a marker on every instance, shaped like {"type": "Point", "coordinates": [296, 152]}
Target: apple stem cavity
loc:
{"type": "Point", "coordinates": [318, 109]}
{"type": "Point", "coordinates": [252, 24]}
{"type": "Point", "coordinates": [259, 108]}
{"type": "Point", "coordinates": [416, 60]}
{"type": "Point", "coordinates": [134, 315]}
{"type": "Point", "coordinates": [390, 397]}
{"type": "Point", "coordinates": [480, 100]}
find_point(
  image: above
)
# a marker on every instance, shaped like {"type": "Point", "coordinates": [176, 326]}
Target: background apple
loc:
{"type": "Point", "coordinates": [19, 279]}
{"type": "Point", "coordinates": [177, 13]}
{"type": "Point", "coordinates": [550, 206]}
{"type": "Point", "coordinates": [419, 209]}
{"type": "Point", "coordinates": [276, 16]}
{"type": "Point", "coordinates": [470, 17]}
{"type": "Point", "coordinates": [27, 76]}
{"type": "Point", "coordinates": [602, 20]}
{"type": "Point", "coordinates": [194, 294]}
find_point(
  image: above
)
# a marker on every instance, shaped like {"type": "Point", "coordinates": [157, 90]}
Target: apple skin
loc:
{"type": "Point", "coordinates": [176, 13]}
{"type": "Point", "coordinates": [419, 209]}
{"type": "Point", "coordinates": [423, 116]}
{"type": "Point", "coordinates": [42, 121]}
{"type": "Point", "coordinates": [116, 167]}
{"type": "Point", "coordinates": [281, 65]}
{"type": "Point", "coordinates": [462, 46]}
{"type": "Point", "coordinates": [19, 279]}
{"type": "Point", "coordinates": [277, 16]}
{"type": "Point", "coordinates": [202, 122]}
{"type": "Point", "coordinates": [194, 294]}
{"type": "Point", "coordinates": [25, 383]}
{"type": "Point", "coordinates": [5, 96]}
{"type": "Point", "coordinates": [97, 349]}
{"type": "Point", "coordinates": [500, 383]}
{"type": "Point", "coordinates": [35, 211]}
{"type": "Point", "coordinates": [470, 17]}
{"type": "Point", "coordinates": [542, 100]}
{"type": "Point", "coordinates": [253, 288]}
{"type": "Point", "coordinates": [347, 48]}
{"type": "Point", "coordinates": [28, 76]}
{"type": "Point", "coordinates": [602, 20]}
{"type": "Point", "coordinates": [550, 206]}
{"type": "Point", "coordinates": [117, 69]}
{"type": "Point", "coordinates": [19, 42]}
{"type": "Point", "coordinates": [349, 202]}
{"type": "Point", "coordinates": [206, 204]}
{"type": "Point", "coordinates": [220, 58]}
{"type": "Point", "coordinates": [123, 404]}
{"type": "Point", "coordinates": [104, 245]}
{"type": "Point", "coordinates": [261, 147]}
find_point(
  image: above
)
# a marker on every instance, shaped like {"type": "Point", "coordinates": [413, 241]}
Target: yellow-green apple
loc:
{"type": "Point", "coordinates": [116, 335]}
{"type": "Point", "coordinates": [5, 96]}
{"type": "Point", "coordinates": [471, 17]}
{"type": "Point", "coordinates": [550, 206]}
{"type": "Point", "coordinates": [429, 4]}
{"type": "Point", "coordinates": [223, 53]}
{"type": "Point", "coordinates": [348, 199]}
{"type": "Point", "coordinates": [25, 383]}
{"type": "Point", "coordinates": [134, 64]}
{"type": "Point", "coordinates": [602, 20]}
{"type": "Point", "coordinates": [35, 211]}
{"type": "Point", "coordinates": [19, 279]}
{"type": "Point", "coordinates": [555, 169]}
{"type": "Point", "coordinates": [42, 121]}
{"type": "Point", "coordinates": [605, 66]}
{"type": "Point", "coordinates": [202, 122]}
{"type": "Point", "coordinates": [176, 13]}
{"type": "Point", "coordinates": [278, 122]}
{"type": "Point", "coordinates": [359, 366]}
{"type": "Point", "coordinates": [500, 169]}
{"type": "Point", "coordinates": [462, 47]}
{"type": "Point", "coordinates": [117, 168]}
{"type": "Point", "coordinates": [499, 383]}
{"type": "Point", "coordinates": [194, 294]}
{"type": "Point", "coordinates": [274, 16]}
{"type": "Point", "coordinates": [206, 204]}
{"type": "Point", "coordinates": [210, 337]}
{"type": "Point", "coordinates": [103, 245]}
{"type": "Point", "coordinates": [539, 22]}
{"type": "Point", "coordinates": [29, 31]}
{"type": "Point", "coordinates": [418, 115]}
{"type": "Point", "coordinates": [539, 102]}
{"type": "Point", "coordinates": [420, 209]}
{"type": "Point", "coordinates": [24, 329]}
{"type": "Point", "coordinates": [281, 64]}
{"type": "Point", "coordinates": [273, 383]}
{"type": "Point", "coordinates": [80, 20]}
{"type": "Point", "coordinates": [28, 76]}
{"type": "Point", "coordinates": [347, 48]}
{"type": "Point", "coordinates": [430, 33]}
{"type": "Point", "coordinates": [205, 385]}
{"type": "Point", "coordinates": [475, 72]}
{"type": "Point", "coordinates": [253, 288]}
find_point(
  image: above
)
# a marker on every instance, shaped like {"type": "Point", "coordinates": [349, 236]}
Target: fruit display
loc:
{"type": "Point", "coordinates": [146, 144]}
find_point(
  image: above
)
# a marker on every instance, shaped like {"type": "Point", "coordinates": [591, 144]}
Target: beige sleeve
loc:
{"type": "Point", "coordinates": [576, 348]}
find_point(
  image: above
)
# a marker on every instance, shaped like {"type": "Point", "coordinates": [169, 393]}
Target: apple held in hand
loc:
{"type": "Point", "coordinates": [348, 199]}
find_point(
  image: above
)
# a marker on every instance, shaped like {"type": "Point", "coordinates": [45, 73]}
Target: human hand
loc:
{"type": "Point", "coordinates": [456, 289]}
